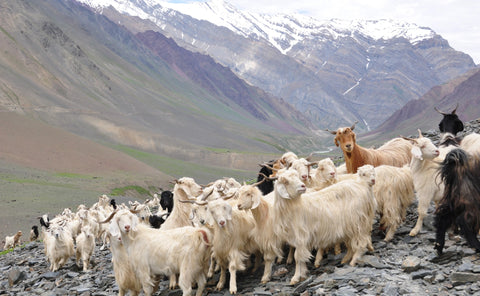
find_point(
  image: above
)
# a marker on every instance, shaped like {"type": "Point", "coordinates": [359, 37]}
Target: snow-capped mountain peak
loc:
{"type": "Point", "coordinates": [281, 30]}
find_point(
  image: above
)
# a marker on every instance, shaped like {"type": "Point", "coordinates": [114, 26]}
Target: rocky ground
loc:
{"type": "Point", "coordinates": [405, 266]}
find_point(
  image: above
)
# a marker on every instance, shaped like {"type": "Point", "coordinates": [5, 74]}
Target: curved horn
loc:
{"type": "Point", "coordinates": [174, 181]}
{"type": "Point", "coordinates": [135, 211]}
{"type": "Point", "coordinates": [420, 133]}
{"type": "Point", "coordinates": [269, 178]}
{"type": "Point", "coordinates": [353, 125]}
{"type": "Point", "coordinates": [200, 203]}
{"type": "Point", "coordinates": [229, 196]}
{"type": "Point", "coordinates": [109, 218]}
{"type": "Point", "coordinates": [443, 113]}
{"type": "Point", "coordinates": [332, 132]}
{"type": "Point", "coordinates": [311, 164]}
{"type": "Point", "coordinates": [455, 110]}
{"type": "Point", "coordinates": [204, 197]}
{"type": "Point", "coordinates": [259, 182]}
{"type": "Point", "coordinates": [268, 166]}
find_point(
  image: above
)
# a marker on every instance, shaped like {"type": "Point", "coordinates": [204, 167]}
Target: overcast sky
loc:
{"type": "Point", "coordinates": [458, 21]}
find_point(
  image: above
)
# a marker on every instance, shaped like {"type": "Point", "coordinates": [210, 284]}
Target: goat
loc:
{"type": "Point", "coordinates": [85, 245]}
{"type": "Point", "coordinates": [152, 252]}
{"type": "Point", "coordinates": [394, 192]}
{"type": "Point", "coordinates": [471, 144]}
{"type": "Point", "coordinates": [424, 170]}
{"type": "Point", "coordinates": [58, 244]}
{"type": "Point", "coordinates": [166, 200]}
{"type": "Point", "coordinates": [450, 122]}
{"type": "Point", "coordinates": [12, 241]}
{"type": "Point", "coordinates": [123, 268]}
{"type": "Point", "coordinates": [34, 233]}
{"type": "Point", "coordinates": [395, 152]}
{"type": "Point", "coordinates": [185, 188]}
{"type": "Point", "coordinates": [266, 186]}
{"type": "Point", "coordinates": [232, 240]}
{"type": "Point", "coordinates": [343, 212]}
{"type": "Point", "coordinates": [460, 204]}
{"type": "Point", "coordinates": [250, 198]}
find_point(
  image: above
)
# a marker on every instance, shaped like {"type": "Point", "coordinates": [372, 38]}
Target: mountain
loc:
{"type": "Point", "coordinates": [463, 90]}
{"type": "Point", "coordinates": [77, 70]}
{"type": "Point", "coordinates": [333, 71]}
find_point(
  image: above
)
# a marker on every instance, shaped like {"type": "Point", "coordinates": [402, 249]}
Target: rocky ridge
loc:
{"type": "Point", "coordinates": [405, 266]}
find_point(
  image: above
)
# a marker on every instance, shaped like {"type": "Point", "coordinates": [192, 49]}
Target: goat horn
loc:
{"type": "Point", "coordinates": [200, 203]}
{"type": "Point", "coordinates": [311, 164]}
{"type": "Point", "coordinates": [204, 198]}
{"type": "Point", "coordinates": [443, 113]}
{"type": "Point", "coordinates": [259, 182]}
{"type": "Point", "coordinates": [353, 125]}
{"type": "Point", "coordinates": [109, 218]}
{"type": "Point", "coordinates": [269, 178]}
{"type": "Point", "coordinates": [134, 211]}
{"type": "Point", "coordinates": [229, 196]}
{"type": "Point", "coordinates": [268, 167]}
{"type": "Point", "coordinates": [332, 132]}
{"type": "Point", "coordinates": [455, 110]}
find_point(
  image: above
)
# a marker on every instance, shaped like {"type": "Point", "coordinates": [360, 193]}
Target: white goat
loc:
{"type": "Point", "coordinates": [58, 244]}
{"type": "Point", "coordinates": [152, 252]}
{"type": "Point", "coordinates": [232, 240]}
{"type": "Point", "coordinates": [12, 241]}
{"type": "Point", "coordinates": [251, 198]}
{"type": "Point", "coordinates": [185, 189]}
{"type": "Point", "coordinates": [425, 171]}
{"type": "Point", "coordinates": [471, 144]}
{"type": "Point", "coordinates": [85, 244]}
{"type": "Point", "coordinates": [394, 192]}
{"type": "Point", "coordinates": [123, 268]}
{"type": "Point", "coordinates": [343, 212]}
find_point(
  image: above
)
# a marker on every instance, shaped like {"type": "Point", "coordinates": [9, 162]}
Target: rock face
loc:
{"type": "Point", "coordinates": [406, 265]}
{"type": "Point", "coordinates": [334, 71]}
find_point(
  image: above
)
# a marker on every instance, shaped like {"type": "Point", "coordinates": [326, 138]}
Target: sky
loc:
{"type": "Point", "coordinates": [457, 21]}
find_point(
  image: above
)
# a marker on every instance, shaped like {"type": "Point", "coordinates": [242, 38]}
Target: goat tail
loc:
{"type": "Point", "coordinates": [205, 236]}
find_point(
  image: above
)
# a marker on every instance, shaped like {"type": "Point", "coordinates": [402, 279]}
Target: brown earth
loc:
{"type": "Point", "coordinates": [44, 169]}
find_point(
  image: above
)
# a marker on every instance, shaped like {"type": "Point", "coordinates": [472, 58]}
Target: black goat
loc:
{"type": "Point", "coordinates": [113, 203]}
{"type": "Point", "coordinates": [166, 200]}
{"type": "Point", "coordinates": [450, 122]}
{"type": "Point", "coordinates": [156, 221]}
{"type": "Point", "coordinates": [34, 233]}
{"type": "Point", "coordinates": [460, 205]}
{"type": "Point", "coordinates": [267, 186]}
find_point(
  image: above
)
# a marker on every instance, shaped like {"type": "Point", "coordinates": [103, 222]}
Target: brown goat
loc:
{"type": "Point", "coordinates": [395, 152]}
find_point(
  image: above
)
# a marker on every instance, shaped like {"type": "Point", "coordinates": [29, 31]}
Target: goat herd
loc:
{"type": "Point", "coordinates": [305, 205]}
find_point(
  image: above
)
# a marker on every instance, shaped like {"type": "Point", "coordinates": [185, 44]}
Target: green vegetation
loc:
{"type": "Point", "coordinates": [178, 168]}
{"type": "Point", "coordinates": [122, 190]}
{"type": "Point", "coordinates": [73, 175]}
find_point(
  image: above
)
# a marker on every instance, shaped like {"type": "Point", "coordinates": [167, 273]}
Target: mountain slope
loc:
{"type": "Point", "coordinates": [78, 70]}
{"type": "Point", "coordinates": [333, 71]}
{"type": "Point", "coordinates": [463, 90]}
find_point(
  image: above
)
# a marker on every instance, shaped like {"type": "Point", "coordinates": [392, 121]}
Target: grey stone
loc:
{"type": "Point", "coordinates": [15, 276]}
{"type": "Point", "coordinates": [411, 263]}
{"type": "Point", "coordinates": [464, 277]}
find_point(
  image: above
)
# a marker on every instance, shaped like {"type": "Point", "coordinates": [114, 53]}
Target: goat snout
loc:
{"type": "Point", "coordinates": [127, 228]}
{"type": "Point", "coordinates": [221, 223]}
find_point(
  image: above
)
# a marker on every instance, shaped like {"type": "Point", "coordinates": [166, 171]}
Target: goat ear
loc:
{"type": "Point", "coordinates": [256, 201]}
{"type": "Point", "coordinates": [134, 222]}
{"type": "Point", "coordinates": [228, 214]}
{"type": "Point", "coordinates": [282, 191]}
{"type": "Point", "coordinates": [336, 142]}
{"type": "Point", "coordinates": [114, 230]}
{"type": "Point", "coordinates": [417, 152]}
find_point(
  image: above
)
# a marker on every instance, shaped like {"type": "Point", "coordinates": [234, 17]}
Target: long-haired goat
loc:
{"type": "Point", "coordinates": [58, 244]}
{"type": "Point", "coordinates": [250, 198]}
{"type": "Point", "coordinates": [185, 188]}
{"type": "Point", "coordinates": [395, 152]}
{"type": "Point", "coordinates": [152, 252]}
{"type": "Point", "coordinates": [424, 166]}
{"type": "Point", "coordinates": [343, 212]}
{"type": "Point", "coordinates": [12, 241]}
{"type": "Point", "coordinates": [460, 204]}
{"type": "Point", "coordinates": [85, 244]}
